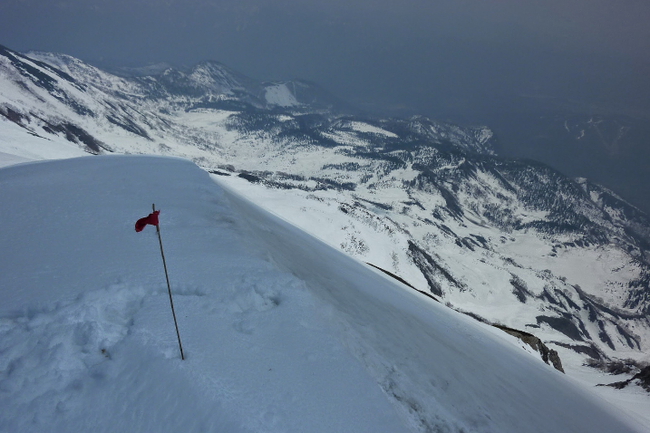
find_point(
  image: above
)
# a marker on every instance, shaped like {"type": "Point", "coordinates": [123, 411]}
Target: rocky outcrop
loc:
{"type": "Point", "coordinates": [549, 356]}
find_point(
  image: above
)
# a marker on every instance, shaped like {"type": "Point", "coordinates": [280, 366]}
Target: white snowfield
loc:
{"type": "Point", "coordinates": [282, 333]}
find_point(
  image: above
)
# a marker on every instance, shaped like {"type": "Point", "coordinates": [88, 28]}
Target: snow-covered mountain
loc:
{"type": "Point", "coordinates": [281, 332]}
{"type": "Point", "coordinates": [512, 243]}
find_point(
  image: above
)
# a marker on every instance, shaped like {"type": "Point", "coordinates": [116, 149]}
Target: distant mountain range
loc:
{"type": "Point", "coordinates": [605, 143]}
{"type": "Point", "coordinates": [510, 242]}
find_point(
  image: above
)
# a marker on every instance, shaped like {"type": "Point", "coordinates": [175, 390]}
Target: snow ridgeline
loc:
{"type": "Point", "coordinates": [281, 332]}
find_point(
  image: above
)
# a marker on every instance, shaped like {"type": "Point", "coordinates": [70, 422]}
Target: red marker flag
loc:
{"type": "Point", "coordinates": [140, 224]}
{"type": "Point", "coordinates": [152, 219]}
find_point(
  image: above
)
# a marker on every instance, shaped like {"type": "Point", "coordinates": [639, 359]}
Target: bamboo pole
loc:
{"type": "Point", "coordinates": [169, 288]}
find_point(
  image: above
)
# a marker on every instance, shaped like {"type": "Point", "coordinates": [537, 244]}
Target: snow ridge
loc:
{"type": "Point", "coordinates": [268, 315]}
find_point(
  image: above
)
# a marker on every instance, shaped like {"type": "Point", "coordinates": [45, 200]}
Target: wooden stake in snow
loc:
{"type": "Point", "coordinates": [152, 219]}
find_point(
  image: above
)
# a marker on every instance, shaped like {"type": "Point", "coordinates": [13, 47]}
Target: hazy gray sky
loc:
{"type": "Point", "coordinates": [461, 60]}
{"type": "Point", "coordinates": [468, 61]}
{"type": "Point", "coordinates": [442, 54]}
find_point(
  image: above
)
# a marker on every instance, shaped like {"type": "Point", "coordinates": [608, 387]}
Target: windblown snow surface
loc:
{"type": "Point", "coordinates": [281, 332]}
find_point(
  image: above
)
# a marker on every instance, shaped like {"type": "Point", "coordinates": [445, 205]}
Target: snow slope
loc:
{"type": "Point", "coordinates": [88, 342]}
{"type": "Point", "coordinates": [281, 332]}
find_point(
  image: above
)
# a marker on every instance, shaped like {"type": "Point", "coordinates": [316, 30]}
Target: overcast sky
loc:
{"type": "Point", "coordinates": [461, 53]}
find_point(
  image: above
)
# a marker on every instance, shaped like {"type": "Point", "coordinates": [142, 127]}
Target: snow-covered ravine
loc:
{"type": "Point", "coordinates": [281, 332]}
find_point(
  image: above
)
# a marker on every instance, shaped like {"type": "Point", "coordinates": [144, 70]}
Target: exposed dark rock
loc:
{"type": "Point", "coordinates": [249, 177]}
{"type": "Point", "coordinates": [549, 356]}
{"type": "Point", "coordinates": [75, 134]}
{"type": "Point", "coordinates": [562, 324]}
{"type": "Point", "coordinates": [12, 115]}
{"type": "Point", "coordinates": [590, 350]}
{"type": "Point", "coordinates": [520, 289]}
{"type": "Point", "coordinates": [401, 280]}
{"type": "Point", "coordinates": [641, 373]}
{"type": "Point", "coordinates": [128, 125]}
{"type": "Point", "coordinates": [431, 269]}
{"type": "Point", "coordinates": [219, 173]}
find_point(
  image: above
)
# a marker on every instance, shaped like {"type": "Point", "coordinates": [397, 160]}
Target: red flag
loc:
{"type": "Point", "coordinates": [152, 219]}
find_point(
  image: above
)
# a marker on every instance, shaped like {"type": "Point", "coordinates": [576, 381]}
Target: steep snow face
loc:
{"type": "Point", "coordinates": [281, 332]}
